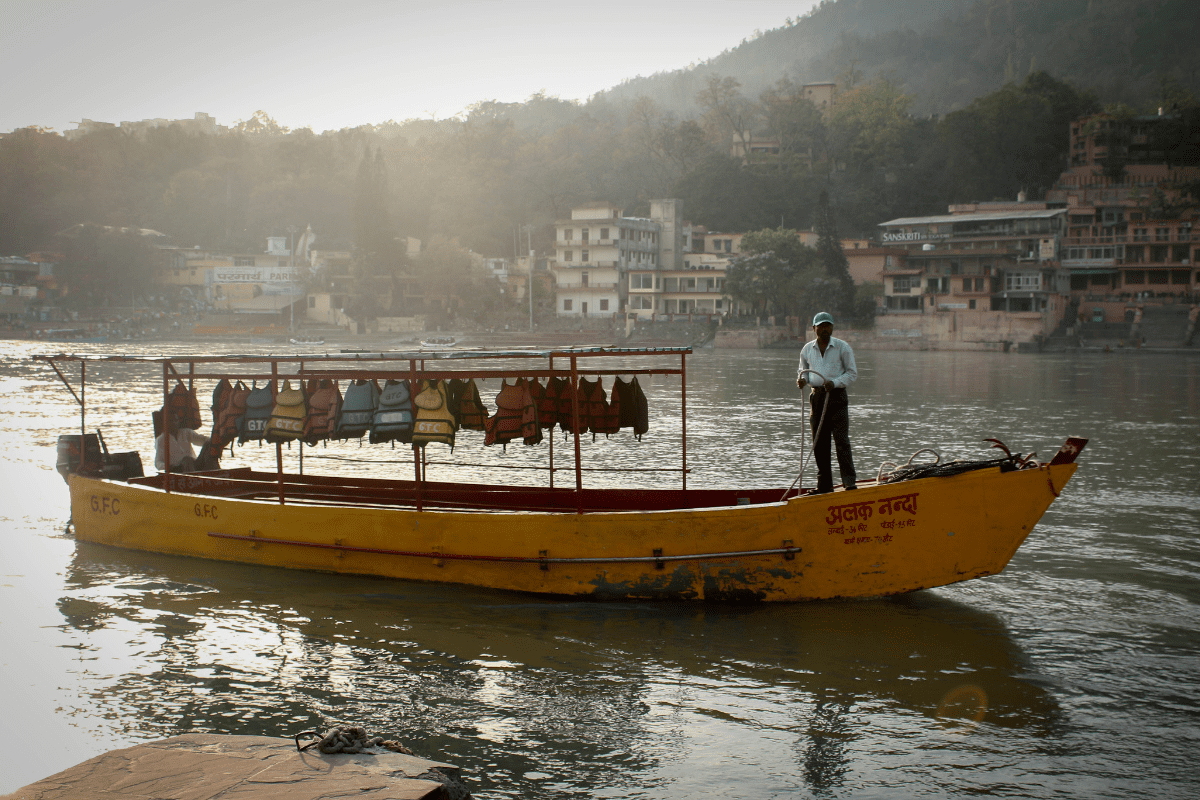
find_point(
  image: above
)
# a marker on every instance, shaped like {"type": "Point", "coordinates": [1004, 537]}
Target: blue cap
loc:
{"type": "Point", "coordinates": [823, 316]}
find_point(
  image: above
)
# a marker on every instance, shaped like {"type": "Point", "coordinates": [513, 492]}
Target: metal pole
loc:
{"type": "Point", "coordinates": [683, 410]}
{"type": "Point", "coordinates": [278, 445]}
{"type": "Point", "coordinates": [166, 438]}
{"type": "Point", "coordinates": [575, 426]}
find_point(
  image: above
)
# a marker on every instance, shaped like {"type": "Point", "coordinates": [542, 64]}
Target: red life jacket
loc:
{"type": "Point", "coordinates": [566, 413]}
{"type": "Point", "coordinates": [183, 404]}
{"type": "Point", "coordinates": [548, 413]}
{"type": "Point", "coordinates": [591, 396]}
{"type": "Point", "coordinates": [515, 417]}
{"type": "Point", "coordinates": [610, 422]}
{"type": "Point", "coordinates": [469, 407]}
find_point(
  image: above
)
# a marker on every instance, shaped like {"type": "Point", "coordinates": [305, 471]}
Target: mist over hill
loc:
{"type": "Point", "coordinates": [945, 53]}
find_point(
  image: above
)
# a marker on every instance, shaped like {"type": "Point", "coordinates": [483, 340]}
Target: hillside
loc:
{"type": "Point", "coordinates": [945, 53]}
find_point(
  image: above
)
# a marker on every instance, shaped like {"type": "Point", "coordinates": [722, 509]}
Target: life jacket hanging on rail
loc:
{"type": "Point", "coordinates": [566, 414]}
{"type": "Point", "coordinates": [393, 420]}
{"type": "Point", "coordinates": [634, 412]}
{"type": "Point", "coordinates": [183, 404]}
{"type": "Point", "coordinates": [358, 408]}
{"type": "Point", "coordinates": [324, 402]}
{"type": "Point", "coordinates": [227, 424]}
{"type": "Point", "coordinates": [591, 397]}
{"type": "Point", "coordinates": [466, 404]}
{"type": "Point", "coordinates": [287, 418]}
{"type": "Point", "coordinates": [434, 422]}
{"type": "Point", "coordinates": [548, 403]}
{"type": "Point", "coordinates": [610, 421]}
{"type": "Point", "coordinates": [515, 417]}
{"type": "Point", "coordinates": [259, 405]}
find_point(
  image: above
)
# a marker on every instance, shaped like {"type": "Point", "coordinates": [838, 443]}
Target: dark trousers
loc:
{"type": "Point", "coordinates": [836, 428]}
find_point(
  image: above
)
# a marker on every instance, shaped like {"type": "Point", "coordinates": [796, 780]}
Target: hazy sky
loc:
{"type": "Point", "coordinates": [332, 65]}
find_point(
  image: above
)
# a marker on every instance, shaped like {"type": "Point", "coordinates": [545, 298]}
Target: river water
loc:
{"type": "Point", "coordinates": [1075, 673]}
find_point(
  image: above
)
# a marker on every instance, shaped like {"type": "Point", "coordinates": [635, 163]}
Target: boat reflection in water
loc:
{"type": "Point", "coordinates": [505, 685]}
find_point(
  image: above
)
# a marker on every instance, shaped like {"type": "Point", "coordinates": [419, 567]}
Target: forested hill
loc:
{"type": "Point", "coordinates": [945, 53]}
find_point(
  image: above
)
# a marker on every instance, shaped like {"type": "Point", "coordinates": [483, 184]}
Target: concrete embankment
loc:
{"type": "Point", "coordinates": [215, 767]}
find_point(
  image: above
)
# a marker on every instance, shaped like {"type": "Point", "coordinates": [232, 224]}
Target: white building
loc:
{"type": "Point", "coordinates": [606, 262]}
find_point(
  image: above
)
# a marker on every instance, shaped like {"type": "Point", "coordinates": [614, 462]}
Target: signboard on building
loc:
{"type": "Point", "coordinates": [280, 275]}
{"type": "Point", "coordinates": [913, 236]}
{"type": "Point", "coordinates": [1046, 250]}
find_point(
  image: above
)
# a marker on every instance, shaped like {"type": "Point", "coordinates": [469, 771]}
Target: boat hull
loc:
{"type": "Point", "coordinates": [877, 540]}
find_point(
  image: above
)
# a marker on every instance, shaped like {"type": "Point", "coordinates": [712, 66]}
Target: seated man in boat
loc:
{"type": "Point", "coordinates": [834, 359]}
{"type": "Point", "coordinates": [183, 457]}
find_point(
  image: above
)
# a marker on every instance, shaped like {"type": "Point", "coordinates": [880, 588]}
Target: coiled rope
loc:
{"type": "Point", "coordinates": [349, 739]}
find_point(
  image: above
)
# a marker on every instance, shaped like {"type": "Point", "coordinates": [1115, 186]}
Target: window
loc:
{"type": "Point", "coordinates": [1135, 276]}
{"type": "Point", "coordinates": [604, 305]}
{"type": "Point", "coordinates": [568, 255]}
{"type": "Point", "coordinates": [904, 284]}
{"type": "Point", "coordinates": [312, 301]}
{"type": "Point", "coordinates": [1179, 277]}
{"type": "Point", "coordinates": [243, 261]}
{"type": "Point", "coordinates": [1158, 253]}
{"type": "Point", "coordinates": [971, 304]}
{"type": "Point", "coordinates": [604, 233]}
{"type": "Point", "coordinates": [583, 279]}
{"type": "Point", "coordinates": [640, 301]}
{"type": "Point", "coordinates": [641, 280]}
{"type": "Point", "coordinates": [1023, 281]}
{"type": "Point", "coordinates": [566, 305]}
{"type": "Point", "coordinates": [1162, 234]}
{"type": "Point", "coordinates": [567, 233]}
{"type": "Point", "coordinates": [583, 308]}
{"type": "Point", "coordinates": [584, 234]}
{"type": "Point", "coordinates": [583, 255]}
{"type": "Point", "coordinates": [1157, 276]}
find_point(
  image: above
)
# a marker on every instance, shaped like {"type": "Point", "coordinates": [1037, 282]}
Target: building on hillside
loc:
{"type": "Point", "coordinates": [201, 123]}
{"type": "Point", "coordinates": [757, 147]}
{"type": "Point", "coordinates": [992, 257]}
{"type": "Point", "coordinates": [1130, 230]}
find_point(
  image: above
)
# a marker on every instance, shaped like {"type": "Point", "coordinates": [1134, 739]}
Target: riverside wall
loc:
{"type": "Point", "coordinates": [945, 330]}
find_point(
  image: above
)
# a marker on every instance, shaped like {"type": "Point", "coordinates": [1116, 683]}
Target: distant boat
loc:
{"type": "Point", "coordinates": [439, 341]}
{"type": "Point", "coordinates": [72, 335]}
{"type": "Point", "coordinates": [306, 342]}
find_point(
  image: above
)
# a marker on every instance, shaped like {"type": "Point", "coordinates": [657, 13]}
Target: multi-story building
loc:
{"type": "Point", "coordinates": [981, 256]}
{"type": "Point", "coordinates": [606, 262]}
{"type": "Point", "coordinates": [1129, 230]}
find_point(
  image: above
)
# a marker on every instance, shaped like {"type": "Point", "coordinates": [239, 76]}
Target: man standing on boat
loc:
{"type": "Point", "coordinates": [833, 359]}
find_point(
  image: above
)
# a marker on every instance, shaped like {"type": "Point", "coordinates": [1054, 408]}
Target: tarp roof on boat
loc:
{"type": "Point", "coordinates": [381, 355]}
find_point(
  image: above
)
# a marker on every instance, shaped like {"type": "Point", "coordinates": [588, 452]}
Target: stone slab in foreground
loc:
{"type": "Point", "coordinates": [215, 767]}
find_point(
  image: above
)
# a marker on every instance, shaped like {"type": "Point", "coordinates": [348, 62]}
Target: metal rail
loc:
{"type": "Point", "coordinates": [786, 552]}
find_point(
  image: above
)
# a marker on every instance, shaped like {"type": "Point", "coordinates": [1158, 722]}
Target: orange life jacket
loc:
{"type": "Point", "coordinates": [548, 411]}
{"type": "Point", "coordinates": [591, 396]}
{"type": "Point", "coordinates": [324, 402]}
{"type": "Point", "coordinates": [610, 422]}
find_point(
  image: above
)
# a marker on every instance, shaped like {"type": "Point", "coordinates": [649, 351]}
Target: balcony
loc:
{"type": "Point", "coordinates": [590, 286]}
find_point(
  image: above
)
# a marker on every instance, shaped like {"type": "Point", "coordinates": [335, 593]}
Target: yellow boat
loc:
{"type": "Point", "coordinates": [896, 534]}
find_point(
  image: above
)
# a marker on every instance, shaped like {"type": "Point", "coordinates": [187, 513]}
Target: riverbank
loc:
{"type": "Point", "coordinates": [216, 767]}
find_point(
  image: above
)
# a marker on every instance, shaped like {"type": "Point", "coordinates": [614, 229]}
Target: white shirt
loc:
{"type": "Point", "coordinates": [837, 364]}
{"type": "Point", "coordinates": [181, 447]}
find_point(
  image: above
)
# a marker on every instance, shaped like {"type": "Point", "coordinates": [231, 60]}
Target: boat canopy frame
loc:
{"type": "Point", "coordinates": [447, 364]}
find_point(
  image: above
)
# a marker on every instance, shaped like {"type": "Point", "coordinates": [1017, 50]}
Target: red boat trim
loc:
{"type": "Point", "coordinates": [784, 551]}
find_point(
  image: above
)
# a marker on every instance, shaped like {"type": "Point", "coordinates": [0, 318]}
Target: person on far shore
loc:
{"type": "Point", "coordinates": [833, 359]}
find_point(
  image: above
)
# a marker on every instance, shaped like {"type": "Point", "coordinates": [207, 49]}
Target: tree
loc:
{"type": "Point", "coordinates": [776, 273]}
{"type": "Point", "coordinates": [833, 258]}
{"type": "Point", "coordinates": [727, 113]}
